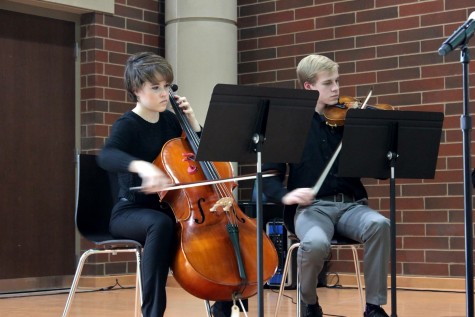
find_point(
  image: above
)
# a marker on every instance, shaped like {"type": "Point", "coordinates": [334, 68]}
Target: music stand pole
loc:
{"type": "Point", "coordinates": [258, 139]}
{"type": "Point", "coordinates": [392, 156]}
{"type": "Point", "coordinates": [466, 126]}
{"type": "Point", "coordinates": [392, 220]}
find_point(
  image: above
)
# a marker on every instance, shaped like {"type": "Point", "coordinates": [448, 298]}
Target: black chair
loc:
{"type": "Point", "coordinates": [96, 194]}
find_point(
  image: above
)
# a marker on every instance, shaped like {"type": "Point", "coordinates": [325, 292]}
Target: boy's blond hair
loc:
{"type": "Point", "coordinates": [310, 66]}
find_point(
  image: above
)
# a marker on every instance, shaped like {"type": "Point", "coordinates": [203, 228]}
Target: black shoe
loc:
{"type": "Point", "coordinates": [376, 312]}
{"type": "Point", "coordinates": [223, 308]}
{"type": "Point", "coordinates": [217, 310]}
{"type": "Point", "coordinates": [314, 310]}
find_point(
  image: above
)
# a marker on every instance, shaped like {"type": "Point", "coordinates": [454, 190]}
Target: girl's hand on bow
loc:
{"type": "Point", "coordinates": [153, 178]}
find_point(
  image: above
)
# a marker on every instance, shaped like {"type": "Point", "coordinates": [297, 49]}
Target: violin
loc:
{"type": "Point", "coordinates": [335, 114]}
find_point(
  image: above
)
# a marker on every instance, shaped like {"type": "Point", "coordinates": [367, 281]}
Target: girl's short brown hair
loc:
{"type": "Point", "coordinates": [145, 67]}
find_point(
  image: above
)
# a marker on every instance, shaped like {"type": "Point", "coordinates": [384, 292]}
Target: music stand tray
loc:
{"type": "Point", "coordinates": [390, 144]}
{"type": "Point", "coordinates": [367, 140]}
{"type": "Point", "coordinates": [237, 112]}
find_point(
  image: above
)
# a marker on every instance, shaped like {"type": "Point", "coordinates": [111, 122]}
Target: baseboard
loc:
{"type": "Point", "coordinates": [128, 280]}
{"type": "Point", "coordinates": [407, 282]}
{"type": "Point", "coordinates": [347, 280]}
{"type": "Point", "coordinates": [32, 284]}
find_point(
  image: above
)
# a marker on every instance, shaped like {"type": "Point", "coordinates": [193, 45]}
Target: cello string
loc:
{"type": "Point", "coordinates": [193, 139]}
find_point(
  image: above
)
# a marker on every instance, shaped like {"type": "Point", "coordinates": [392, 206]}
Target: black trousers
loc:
{"type": "Point", "coordinates": [155, 229]}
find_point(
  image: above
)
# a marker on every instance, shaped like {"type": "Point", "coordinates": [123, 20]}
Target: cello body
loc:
{"type": "Point", "coordinates": [207, 263]}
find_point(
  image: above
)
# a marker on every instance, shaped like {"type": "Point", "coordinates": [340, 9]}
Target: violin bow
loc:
{"type": "Point", "coordinates": [367, 98]}
{"type": "Point", "coordinates": [211, 182]}
{"type": "Point", "coordinates": [329, 165]}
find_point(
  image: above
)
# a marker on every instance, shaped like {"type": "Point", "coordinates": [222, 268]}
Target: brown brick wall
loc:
{"type": "Point", "coordinates": [391, 46]}
{"type": "Point", "coordinates": [106, 42]}
{"type": "Point", "coordinates": [388, 45]}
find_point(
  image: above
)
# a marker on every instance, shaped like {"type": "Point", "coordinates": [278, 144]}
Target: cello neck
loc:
{"type": "Point", "coordinates": [191, 135]}
{"type": "Point", "coordinates": [193, 139]}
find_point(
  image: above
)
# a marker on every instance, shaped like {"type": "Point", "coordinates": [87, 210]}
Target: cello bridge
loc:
{"type": "Point", "coordinates": [226, 203]}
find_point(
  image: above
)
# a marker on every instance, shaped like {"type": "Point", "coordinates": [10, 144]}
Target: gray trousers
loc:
{"type": "Point", "coordinates": [315, 226]}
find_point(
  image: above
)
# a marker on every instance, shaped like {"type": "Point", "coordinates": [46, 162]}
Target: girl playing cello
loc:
{"type": "Point", "coordinates": [136, 139]}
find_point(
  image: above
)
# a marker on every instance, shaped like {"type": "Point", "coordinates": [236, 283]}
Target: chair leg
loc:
{"type": "Point", "coordinates": [299, 294]}
{"type": "Point", "coordinates": [208, 308]}
{"type": "Point", "coordinates": [74, 286]}
{"type": "Point", "coordinates": [138, 284]}
{"type": "Point", "coordinates": [82, 260]}
{"type": "Point", "coordinates": [138, 307]}
{"type": "Point", "coordinates": [358, 276]}
{"type": "Point", "coordinates": [284, 275]}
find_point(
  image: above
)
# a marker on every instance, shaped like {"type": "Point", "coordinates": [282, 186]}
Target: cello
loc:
{"type": "Point", "coordinates": [216, 256]}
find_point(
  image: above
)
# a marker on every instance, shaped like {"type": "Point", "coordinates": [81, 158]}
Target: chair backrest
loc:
{"type": "Point", "coordinates": [96, 195]}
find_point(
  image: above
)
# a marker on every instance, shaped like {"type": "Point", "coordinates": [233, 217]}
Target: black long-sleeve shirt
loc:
{"type": "Point", "coordinates": [133, 138]}
{"type": "Point", "coordinates": [322, 141]}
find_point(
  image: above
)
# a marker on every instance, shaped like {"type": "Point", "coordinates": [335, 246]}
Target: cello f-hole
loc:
{"type": "Point", "coordinates": [241, 220]}
{"type": "Point", "coordinates": [201, 212]}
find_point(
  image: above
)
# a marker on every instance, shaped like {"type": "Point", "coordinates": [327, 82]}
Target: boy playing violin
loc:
{"type": "Point", "coordinates": [340, 206]}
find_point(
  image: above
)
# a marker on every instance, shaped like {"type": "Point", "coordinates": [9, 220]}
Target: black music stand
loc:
{"type": "Point", "coordinates": [390, 144]}
{"type": "Point", "coordinates": [251, 124]}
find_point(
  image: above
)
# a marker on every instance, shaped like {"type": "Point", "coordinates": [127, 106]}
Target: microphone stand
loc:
{"type": "Point", "coordinates": [460, 38]}
{"type": "Point", "coordinates": [466, 126]}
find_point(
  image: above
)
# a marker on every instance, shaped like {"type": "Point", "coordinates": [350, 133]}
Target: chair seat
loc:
{"type": "Point", "coordinates": [102, 239]}
{"type": "Point", "coordinates": [121, 243]}
{"type": "Point", "coordinates": [336, 240]}
{"type": "Point", "coordinates": [341, 240]}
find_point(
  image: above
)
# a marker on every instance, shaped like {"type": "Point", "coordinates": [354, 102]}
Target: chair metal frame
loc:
{"type": "Point", "coordinates": [334, 243]}
{"type": "Point", "coordinates": [98, 233]}
{"type": "Point", "coordinates": [114, 251]}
